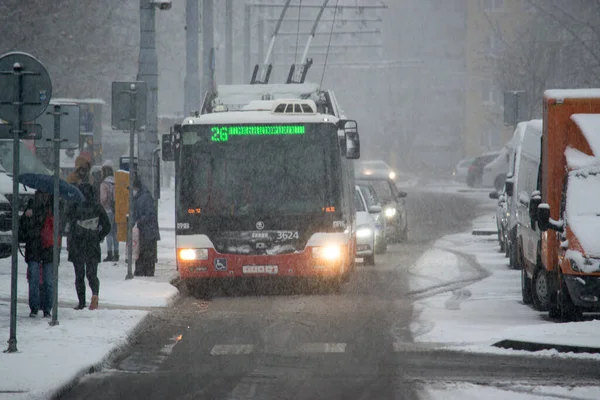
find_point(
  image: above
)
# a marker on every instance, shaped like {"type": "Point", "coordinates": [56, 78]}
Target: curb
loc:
{"type": "Point", "coordinates": [112, 356]}
{"type": "Point", "coordinates": [533, 346]}
{"type": "Point", "coordinates": [483, 232]}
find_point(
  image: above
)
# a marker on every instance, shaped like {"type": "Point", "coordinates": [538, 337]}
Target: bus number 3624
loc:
{"type": "Point", "coordinates": [287, 235]}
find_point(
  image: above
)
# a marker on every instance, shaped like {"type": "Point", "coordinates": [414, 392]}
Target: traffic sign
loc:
{"type": "Point", "coordinates": [69, 126]}
{"type": "Point", "coordinates": [128, 105]}
{"type": "Point", "coordinates": [29, 131]}
{"type": "Point", "coordinates": [36, 87]}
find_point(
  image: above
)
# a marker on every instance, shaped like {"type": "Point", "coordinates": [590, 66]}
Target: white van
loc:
{"type": "Point", "coordinates": [526, 183]}
{"type": "Point", "coordinates": [514, 149]}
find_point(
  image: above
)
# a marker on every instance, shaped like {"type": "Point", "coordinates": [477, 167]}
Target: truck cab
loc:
{"type": "Point", "coordinates": [566, 277]}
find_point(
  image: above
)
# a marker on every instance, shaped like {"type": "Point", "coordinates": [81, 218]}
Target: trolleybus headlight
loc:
{"type": "Point", "coordinates": [193, 254]}
{"type": "Point", "coordinates": [364, 231]}
{"type": "Point", "coordinates": [390, 212]}
{"type": "Point", "coordinates": [329, 253]}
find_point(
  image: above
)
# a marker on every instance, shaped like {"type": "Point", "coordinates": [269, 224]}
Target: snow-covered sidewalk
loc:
{"type": "Point", "coordinates": [51, 357]}
{"type": "Point", "coordinates": [468, 299]}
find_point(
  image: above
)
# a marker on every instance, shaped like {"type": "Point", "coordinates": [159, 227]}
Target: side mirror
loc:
{"type": "Point", "coordinates": [494, 195]}
{"type": "Point", "coordinates": [167, 147]}
{"type": "Point", "coordinates": [534, 202]}
{"type": "Point", "coordinates": [543, 217]}
{"type": "Point", "coordinates": [402, 195]}
{"type": "Point", "coordinates": [509, 187]}
{"type": "Point", "coordinates": [375, 209]}
{"type": "Point", "coordinates": [350, 128]}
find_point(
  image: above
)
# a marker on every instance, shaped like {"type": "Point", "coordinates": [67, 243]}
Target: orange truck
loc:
{"type": "Point", "coordinates": [566, 278]}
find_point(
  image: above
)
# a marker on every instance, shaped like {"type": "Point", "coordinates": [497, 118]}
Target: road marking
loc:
{"type": "Point", "coordinates": [323, 348]}
{"type": "Point", "coordinates": [225, 349]}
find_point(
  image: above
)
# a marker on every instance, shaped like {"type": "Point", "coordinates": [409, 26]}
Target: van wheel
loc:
{"type": "Point", "coordinates": [369, 260]}
{"type": "Point", "coordinates": [541, 289]}
{"type": "Point", "coordinates": [526, 287]}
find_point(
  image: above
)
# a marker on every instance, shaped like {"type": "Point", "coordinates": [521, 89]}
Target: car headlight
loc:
{"type": "Point", "coordinates": [364, 231]}
{"type": "Point", "coordinates": [329, 253]}
{"type": "Point", "coordinates": [390, 212]}
{"type": "Point", "coordinates": [392, 175]}
{"type": "Point", "coordinates": [193, 254]}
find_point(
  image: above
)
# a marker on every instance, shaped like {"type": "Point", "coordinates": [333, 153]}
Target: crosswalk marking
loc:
{"type": "Point", "coordinates": [323, 348]}
{"type": "Point", "coordinates": [224, 349]}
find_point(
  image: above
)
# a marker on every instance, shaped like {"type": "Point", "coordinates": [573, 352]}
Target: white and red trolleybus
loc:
{"type": "Point", "coordinates": [265, 191]}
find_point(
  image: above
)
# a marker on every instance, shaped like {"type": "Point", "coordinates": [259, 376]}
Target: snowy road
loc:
{"type": "Point", "coordinates": [357, 344]}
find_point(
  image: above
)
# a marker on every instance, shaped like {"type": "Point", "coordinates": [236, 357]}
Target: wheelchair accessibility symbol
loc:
{"type": "Point", "coordinates": [220, 264]}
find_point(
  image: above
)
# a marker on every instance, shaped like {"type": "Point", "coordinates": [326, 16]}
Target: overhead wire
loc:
{"type": "Point", "coordinates": [298, 33]}
{"type": "Point", "coordinates": [329, 44]}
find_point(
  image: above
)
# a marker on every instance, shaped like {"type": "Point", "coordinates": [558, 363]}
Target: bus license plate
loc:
{"type": "Point", "coordinates": [260, 269]}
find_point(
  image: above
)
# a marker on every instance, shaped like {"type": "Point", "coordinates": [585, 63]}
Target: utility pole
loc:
{"type": "Point", "coordinates": [148, 72]}
{"type": "Point", "coordinates": [229, 42]}
{"type": "Point", "coordinates": [247, 43]}
{"type": "Point", "coordinates": [208, 47]}
{"type": "Point", "coordinates": [192, 73]}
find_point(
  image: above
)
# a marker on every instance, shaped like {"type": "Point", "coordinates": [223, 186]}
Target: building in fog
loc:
{"type": "Point", "coordinates": [490, 24]}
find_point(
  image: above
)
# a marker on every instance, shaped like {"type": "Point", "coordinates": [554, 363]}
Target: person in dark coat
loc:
{"type": "Point", "coordinates": [35, 230]}
{"type": "Point", "coordinates": [88, 225]}
{"type": "Point", "coordinates": [145, 217]}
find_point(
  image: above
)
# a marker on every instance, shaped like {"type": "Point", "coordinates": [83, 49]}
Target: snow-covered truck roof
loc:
{"type": "Point", "coordinates": [560, 94]}
{"type": "Point", "coordinates": [589, 125]}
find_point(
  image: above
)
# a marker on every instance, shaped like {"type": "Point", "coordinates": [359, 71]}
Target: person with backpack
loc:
{"type": "Point", "coordinates": [36, 228]}
{"type": "Point", "coordinates": [87, 226]}
{"type": "Point", "coordinates": [107, 200]}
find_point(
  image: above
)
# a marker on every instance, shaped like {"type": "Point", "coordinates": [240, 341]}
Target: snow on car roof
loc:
{"type": "Point", "coordinates": [572, 93]}
{"type": "Point", "coordinates": [589, 124]}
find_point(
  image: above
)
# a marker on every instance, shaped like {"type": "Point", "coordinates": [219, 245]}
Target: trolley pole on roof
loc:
{"type": "Point", "coordinates": [192, 72]}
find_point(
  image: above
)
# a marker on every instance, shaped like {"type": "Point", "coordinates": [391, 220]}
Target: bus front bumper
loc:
{"type": "Point", "coordinates": [290, 265]}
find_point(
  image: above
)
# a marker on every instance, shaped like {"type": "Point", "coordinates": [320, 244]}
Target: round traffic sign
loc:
{"type": "Point", "coordinates": [35, 91]}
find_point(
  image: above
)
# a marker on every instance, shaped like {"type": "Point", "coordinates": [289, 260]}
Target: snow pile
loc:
{"type": "Point", "coordinates": [583, 208]}
{"type": "Point", "coordinates": [560, 94]}
{"type": "Point", "coordinates": [467, 391]}
{"type": "Point", "coordinates": [468, 299]}
{"type": "Point", "coordinates": [49, 357]}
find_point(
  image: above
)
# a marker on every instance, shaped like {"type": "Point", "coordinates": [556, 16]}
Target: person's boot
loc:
{"type": "Point", "coordinates": [109, 257]}
{"type": "Point", "coordinates": [94, 303]}
{"type": "Point", "coordinates": [116, 256]}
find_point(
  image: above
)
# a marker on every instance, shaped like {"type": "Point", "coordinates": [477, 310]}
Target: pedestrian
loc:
{"type": "Point", "coordinates": [82, 173]}
{"type": "Point", "coordinates": [144, 216]}
{"type": "Point", "coordinates": [88, 225]}
{"type": "Point", "coordinates": [36, 228]}
{"type": "Point", "coordinates": [107, 200]}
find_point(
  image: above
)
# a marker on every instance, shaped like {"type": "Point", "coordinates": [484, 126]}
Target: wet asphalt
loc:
{"type": "Point", "coordinates": [288, 341]}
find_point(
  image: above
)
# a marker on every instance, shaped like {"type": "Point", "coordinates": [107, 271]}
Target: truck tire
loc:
{"type": "Point", "coordinates": [541, 289]}
{"type": "Point", "coordinates": [526, 287]}
{"type": "Point", "coordinates": [562, 308]}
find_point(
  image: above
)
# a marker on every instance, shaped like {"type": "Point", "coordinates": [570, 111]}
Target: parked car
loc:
{"type": "Point", "coordinates": [475, 172]}
{"type": "Point", "coordinates": [394, 207]}
{"type": "Point", "coordinates": [365, 228]}
{"type": "Point", "coordinates": [495, 171]}
{"type": "Point", "coordinates": [501, 219]}
{"type": "Point", "coordinates": [371, 198]}
{"type": "Point", "coordinates": [461, 170]}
